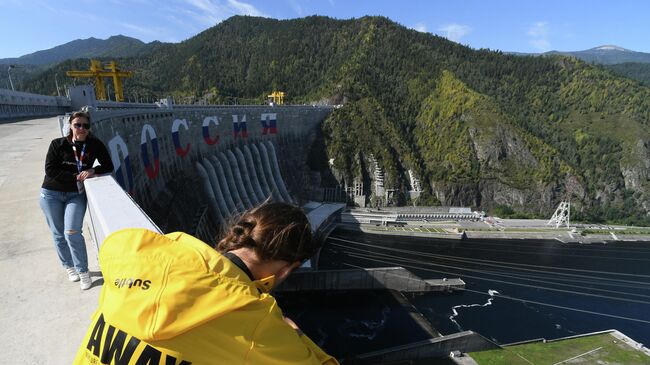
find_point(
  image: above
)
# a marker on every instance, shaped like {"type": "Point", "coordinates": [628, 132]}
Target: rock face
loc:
{"type": "Point", "coordinates": [637, 174]}
{"type": "Point", "coordinates": [468, 152]}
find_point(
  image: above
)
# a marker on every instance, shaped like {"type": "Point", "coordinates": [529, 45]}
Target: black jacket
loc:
{"type": "Point", "coordinates": [61, 165]}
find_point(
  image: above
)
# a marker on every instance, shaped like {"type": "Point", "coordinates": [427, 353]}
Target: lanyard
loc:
{"type": "Point", "coordinates": [79, 159]}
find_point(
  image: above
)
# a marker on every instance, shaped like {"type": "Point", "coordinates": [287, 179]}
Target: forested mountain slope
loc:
{"type": "Point", "coordinates": [478, 127]}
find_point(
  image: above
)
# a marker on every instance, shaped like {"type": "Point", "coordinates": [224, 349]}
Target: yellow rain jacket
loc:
{"type": "Point", "coordinates": [173, 300]}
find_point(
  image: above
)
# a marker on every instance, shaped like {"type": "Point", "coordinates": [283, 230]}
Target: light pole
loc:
{"type": "Point", "coordinates": [10, 80]}
{"type": "Point", "coordinates": [56, 81]}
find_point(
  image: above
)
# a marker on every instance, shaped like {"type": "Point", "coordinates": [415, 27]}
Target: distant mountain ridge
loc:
{"type": "Point", "coordinates": [606, 55]}
{"type": "Point", "coordinates": [115, 46]}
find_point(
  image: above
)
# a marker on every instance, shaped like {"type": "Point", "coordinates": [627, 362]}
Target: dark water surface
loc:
{"type": "Point", "coordinates": [345, 324]}
{"type": "Point", "coordinates": [545, 288]}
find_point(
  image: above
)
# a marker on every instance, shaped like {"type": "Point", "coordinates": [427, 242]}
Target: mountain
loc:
{"type": "Point", "coordinates": [478, 128]}
{"type": "Point", "coordinates": [607, 55]}
{"type": "Point", "coordinates": [631, 64]}
{"type": "Point", "coordinates": [115, 46]}
{"type": "Point", "coordinates": [634, 70]}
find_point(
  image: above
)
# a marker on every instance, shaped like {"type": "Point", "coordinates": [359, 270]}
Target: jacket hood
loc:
{"type": "Point", "coordinates": [159, 286]}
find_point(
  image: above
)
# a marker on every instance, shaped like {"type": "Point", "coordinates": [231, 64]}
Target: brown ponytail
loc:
{"type": "Point", "coordinates": [275, 231]}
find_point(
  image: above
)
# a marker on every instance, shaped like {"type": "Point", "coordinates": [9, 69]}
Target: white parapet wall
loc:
{"type": "Point", "coordinates": [110, 209]}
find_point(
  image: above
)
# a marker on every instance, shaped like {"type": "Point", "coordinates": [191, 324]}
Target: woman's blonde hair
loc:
{"type": "Point", "coordinates": [275, 231]}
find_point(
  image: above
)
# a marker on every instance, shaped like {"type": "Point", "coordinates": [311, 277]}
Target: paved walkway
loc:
{"type": "Point", "coordinates": [43, 316]}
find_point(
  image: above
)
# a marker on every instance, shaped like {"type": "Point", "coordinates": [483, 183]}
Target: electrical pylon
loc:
{"type": "Point", "coordinates": [561, 215]}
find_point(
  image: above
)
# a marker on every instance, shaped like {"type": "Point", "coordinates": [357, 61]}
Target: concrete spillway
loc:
{"type": "Point", "coordinates": [256, 166]}
{"type": "Point", "coordinates": [268, 171]}
{"type": "Point", "coordinates": [216, 200]}
{"type": "Point", "coordinates": [209, 192]}
{"type": "Point", "coordinates": [222, 185]}
{"type": "Point", "coordinates": [242, 180]}
{"type": "Point", "coordinates": [232, 183]}
{"type": "Point", "coordinates": [251, 175]}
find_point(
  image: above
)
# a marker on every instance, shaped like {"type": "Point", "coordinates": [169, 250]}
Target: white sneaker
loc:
{"type": "Point", "coordinates": [72, 274]}
{"type": "Point", "coordinates": [86, 281]}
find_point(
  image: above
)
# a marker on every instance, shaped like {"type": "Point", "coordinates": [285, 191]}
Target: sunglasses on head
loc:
{"type": "Point", "coordinates": [81, 125]}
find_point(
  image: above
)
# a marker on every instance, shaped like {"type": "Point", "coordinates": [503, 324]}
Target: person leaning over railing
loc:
{"type": "Point", "coordinates": [69, 162]}
{"type": "Point", "coordinates": [172, 299]}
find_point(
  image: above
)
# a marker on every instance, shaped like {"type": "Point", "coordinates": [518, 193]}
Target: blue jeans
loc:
{"type": "Point", "coordinates": [64, 212]}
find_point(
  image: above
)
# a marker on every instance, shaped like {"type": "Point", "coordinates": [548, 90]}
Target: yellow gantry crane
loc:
{"type": "Point", "coordinates": [277, 97]}
{"type": "Point", "coordinates": [99, 72]}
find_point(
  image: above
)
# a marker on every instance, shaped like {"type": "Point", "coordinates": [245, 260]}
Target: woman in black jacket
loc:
{"type": "Point", "coordinates": [68, 164]}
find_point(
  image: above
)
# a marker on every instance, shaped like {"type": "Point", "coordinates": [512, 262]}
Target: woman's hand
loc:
{"type": "Point", "coordinates": [86, 174]}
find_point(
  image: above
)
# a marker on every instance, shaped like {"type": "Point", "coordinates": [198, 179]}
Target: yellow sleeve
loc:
{"type": "Point", "coordinates": [276, 343]}
{"type": "Point", "coordinates": [323, 357]}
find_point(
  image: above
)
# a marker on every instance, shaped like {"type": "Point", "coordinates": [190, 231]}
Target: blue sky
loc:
{"type": "Point", "coordinates": [522, 26]}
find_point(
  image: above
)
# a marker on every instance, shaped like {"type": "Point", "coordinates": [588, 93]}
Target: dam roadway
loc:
{"type": "Point", "coordinates": [43, 316]}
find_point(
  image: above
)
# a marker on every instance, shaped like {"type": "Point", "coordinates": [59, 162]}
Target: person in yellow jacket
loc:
{"type": "Point", "coordinates": [173, 300]}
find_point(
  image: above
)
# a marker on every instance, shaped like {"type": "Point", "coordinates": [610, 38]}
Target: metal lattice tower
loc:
{"type": "Point", "coordinates": [561, 215]}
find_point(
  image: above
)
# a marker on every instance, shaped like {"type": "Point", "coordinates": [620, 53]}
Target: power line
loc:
{"type": "Point", "coordinates": [539, 253]}
{"type": "Point", "coordinates": [555, 281]}
{"type": "Point", "coordinates": [490, 263]}
{"type": "Point", "coordinates": [524, 244]}
{"type": "Point", "coordinates": [372, 258]}
{"type": "Point", "coordinates": [544, 304]}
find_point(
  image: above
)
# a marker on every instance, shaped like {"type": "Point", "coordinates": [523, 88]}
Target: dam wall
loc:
{"type": "Point", "coordinates": [16, 105]}
{"type": "Point", "coordinates": [190, 169]}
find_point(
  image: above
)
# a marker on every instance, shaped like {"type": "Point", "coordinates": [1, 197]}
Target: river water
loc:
{"type": "Point", "coordinates": [516, 289]}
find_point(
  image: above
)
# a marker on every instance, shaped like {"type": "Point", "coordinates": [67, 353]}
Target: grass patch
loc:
{"type": "Point", "coordinates": [613, 351]}
{"type": "Point", "coordinates": [616, 231]}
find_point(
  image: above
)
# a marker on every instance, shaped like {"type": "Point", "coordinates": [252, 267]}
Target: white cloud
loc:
{"type": "Point", "coordinates": [211, 12]}
{"type": "Point", "coordinates": [538, 30]}
{"type": "Point", "coordinates": [538, 33]}
{"type": "Point", "coordinates": [243, 8]}
{"type": "Point", "coordinates": [141, 30]}
{"type": "Point", "coordinates": [454, 32]}
{"type": "Point", "coordinates": [420, 27]}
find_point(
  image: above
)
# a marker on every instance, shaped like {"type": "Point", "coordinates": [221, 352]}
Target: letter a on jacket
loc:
{"type": "Point", "coordinates": [172, 299]}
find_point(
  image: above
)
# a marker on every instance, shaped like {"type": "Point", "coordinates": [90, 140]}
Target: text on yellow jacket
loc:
{"type": "Point", "coordinates": [173, 300]}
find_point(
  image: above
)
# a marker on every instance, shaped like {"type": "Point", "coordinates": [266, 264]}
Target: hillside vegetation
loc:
{"type": "Point", "coordinates": [477, 127]}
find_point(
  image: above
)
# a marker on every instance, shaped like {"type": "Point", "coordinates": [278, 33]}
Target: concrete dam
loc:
{"type": "Point", "coordinates": [190, 169]}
